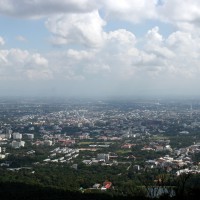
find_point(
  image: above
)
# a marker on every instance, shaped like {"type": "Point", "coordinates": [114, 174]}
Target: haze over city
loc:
{"type": "Point", "coordinates": [99, 47]}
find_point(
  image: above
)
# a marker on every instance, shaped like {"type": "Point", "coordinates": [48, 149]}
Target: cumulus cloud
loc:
{"type": "Point", "coordinates": [188, 10]}
{"type": "Point", "coordinates": [122, 58]}
{"type": "Point", "coordinates": [19, 64]}
{"type": "Point", "coordinates": [93, 50]}
{"type": "Point", "coordinates": [155, 43]}
{"type": "Point", "coordinates": [79, 55]}
{"type": "Point", "coordinates": [122, 37]}
{"type": "Point", "coordinates": [43, 8]}
{"type": "Point", "coordinates": [179, 38]}
{"type": "Point", "coordinates": [84, 28]}
{"type": "Point", "coordinates": [133, 11]}
{"type": "Point", "coordinates": [154, 36]}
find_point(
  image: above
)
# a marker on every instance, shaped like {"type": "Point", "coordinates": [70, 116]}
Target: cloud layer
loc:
{"type": "Point", "coordinates": [89, 51]}
{"type": "Point", "coordinates": [42, 8]}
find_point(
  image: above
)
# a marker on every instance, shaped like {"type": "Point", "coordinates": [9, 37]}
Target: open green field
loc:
{"type": "Point", "coordinates": [90, 142]}
{"type": "Point", "coordinates": [123, 151]}
{"type": "Point", "coordinates": [85, 143]}
{"type": "Point", "coordinates": [160, 137]}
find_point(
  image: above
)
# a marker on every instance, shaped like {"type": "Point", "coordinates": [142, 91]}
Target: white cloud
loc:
{"type": "Point", "coordinates": [187, 10]}
{"type": "Point", "coordinates": [84, 28]}
{"type": "Point", "coordinates": [155, 43]}
{"type": "Point", "coordinates": [39, 60]}
{"type": "Point", "coordinates": [184, 15]}
{"type": "Point", "coordinates": [134, 11]}
{"type": "Point", "coordinates": [179, 38]}
{"type": "Point", "coordinates": [19, 64]}
{"type": "Point", "coordinates": [153, 36]}
{"type": "Point", "coordinates": [121, 37]}
{"type": "Point", "coordinates": [120, 58]}
{"type": "Point", "coordinates": [90, 53]}
{"type": "Point", "coordinates": [79, 55]}
{"type": "Point", "coordinates": [129, 10]}
{"type": "Point", "coordinates": [43, 8]}
{"type": "Point", "coordinates": [2, 42]}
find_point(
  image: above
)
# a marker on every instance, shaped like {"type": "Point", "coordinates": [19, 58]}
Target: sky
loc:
{"type": "Point", "coordinates": [99, 47]}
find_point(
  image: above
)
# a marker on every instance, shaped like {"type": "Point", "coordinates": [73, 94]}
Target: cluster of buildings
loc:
{"type": "Point", "coordinates": [100, 158]}
{"type": "Point", "coordinates": [62, 155]}
{"type": "Point", "coordinates": [105, 186]}
{"type": "Point", "coordinates": [15, 139]}
{"type": "Point", "coordinates": [102, 126]}
{"type": "Point", "coordinates": [180, 161]}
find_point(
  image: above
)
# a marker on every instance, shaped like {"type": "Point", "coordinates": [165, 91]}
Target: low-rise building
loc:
{"type": "Point", "coordinates": [48, 142]}
{"type": "Point", "coordinates": [17, 144]}
{"type": "Point", "coordinates": [30, 136]}
{"type": "Point", "coordinates": [17, 136]}
{"type": "Point", "coordinates": [103, 156]}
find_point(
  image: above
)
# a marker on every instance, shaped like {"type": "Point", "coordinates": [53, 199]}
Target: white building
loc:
{"type": "Point", "coordinates": [2, 156]}
{"type": "Point", "coordinates": [17, 136]}
{"type": "Point", "coordinates": [17, 144]}
{"type": "Point", "coordinates": [48, 142]}
{"type": "Point", "coordinates": [103, 156]}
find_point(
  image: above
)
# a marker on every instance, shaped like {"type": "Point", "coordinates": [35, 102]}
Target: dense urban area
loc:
{"type": "Point", "coordinates": [142, 148]}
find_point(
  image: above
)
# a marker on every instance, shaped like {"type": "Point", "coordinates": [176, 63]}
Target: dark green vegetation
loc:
{"type": "Point", "coordinates": [57, 182]}
{"type": "Point", "coordinates": [24, 191]}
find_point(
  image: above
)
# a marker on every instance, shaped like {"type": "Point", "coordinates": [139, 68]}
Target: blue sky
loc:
{"type": "Point", "coordinates": [99, 47]}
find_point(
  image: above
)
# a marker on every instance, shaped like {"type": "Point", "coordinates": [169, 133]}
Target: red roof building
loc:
{"type": "Point", "coordinates": [107, 184]}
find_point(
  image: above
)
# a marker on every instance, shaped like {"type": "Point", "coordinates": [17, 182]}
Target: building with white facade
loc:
{"type": "Point", "coordinates": [48, 142]}
{"type": "Point", "coordinates": [103, 156]}
{"type": "Point", "coordinates": [17, 144]}
{"type": "Point", "coordinates": [17, 136]}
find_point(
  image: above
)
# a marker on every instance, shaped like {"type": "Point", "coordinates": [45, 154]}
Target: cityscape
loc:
{"type": "Point", "coordinates": [126, 136]}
